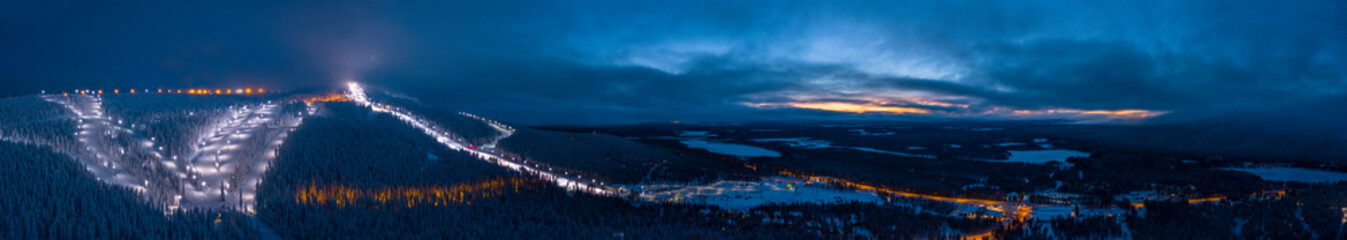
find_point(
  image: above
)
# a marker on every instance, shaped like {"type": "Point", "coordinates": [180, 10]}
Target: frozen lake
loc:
{"type": "Point", "coordinates": [730, 148]}
{"type": "Point", "coordinates": [1287, 174]}
{"type": "Point", "coordinates": [1043, 156]}
{"type": "Point", "coordinates": [743, 195]}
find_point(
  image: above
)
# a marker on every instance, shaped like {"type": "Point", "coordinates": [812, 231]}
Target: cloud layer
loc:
{"type": "Point", "coordinates": [600, 62]}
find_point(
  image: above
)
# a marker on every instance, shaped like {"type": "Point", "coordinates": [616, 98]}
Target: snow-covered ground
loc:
{"type": "Point", "coordinates": [103, 153]}
{"type": "Point", "coordinates": [743, 195]}
{"type": "Point", "coordinates": [230, 162]}
{"type": "Point", "coordinates": [1288, 174]}
{"type": "Point", "coordinates": [221, 173]}
{"type": "Point", "coordinates": [730, 148]}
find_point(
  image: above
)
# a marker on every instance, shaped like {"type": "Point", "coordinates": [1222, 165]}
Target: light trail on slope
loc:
{"type": "Point", "coordinates": [357, 94]}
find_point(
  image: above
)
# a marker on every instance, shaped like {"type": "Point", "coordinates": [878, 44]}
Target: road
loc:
{"type": "Point", "coordinates": [487, 152]}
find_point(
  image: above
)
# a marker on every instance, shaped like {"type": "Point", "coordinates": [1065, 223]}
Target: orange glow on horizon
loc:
{"type": "Point", "coordinates": [915, 106]}
{"type": "Point", "coordinates": [1124, 113]}
{"type": "Point", "coordinates": [857, 108]}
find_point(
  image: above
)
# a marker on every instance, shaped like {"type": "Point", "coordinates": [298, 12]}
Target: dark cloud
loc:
{"type": "Point", "coordinates": [593, 62]}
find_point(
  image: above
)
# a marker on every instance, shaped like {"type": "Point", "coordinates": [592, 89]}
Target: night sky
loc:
{"type": "Point", "coordinates": [606, 62]}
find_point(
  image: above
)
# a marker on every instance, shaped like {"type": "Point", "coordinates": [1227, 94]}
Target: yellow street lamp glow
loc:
{"type": "Point", "coordinates": [115, 91]}
{"type": "Point", "coordinates": [133, 91]}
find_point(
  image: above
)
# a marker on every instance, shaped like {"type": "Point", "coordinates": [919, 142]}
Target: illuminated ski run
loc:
{"type": "Point", "coordinates": [223, 170]}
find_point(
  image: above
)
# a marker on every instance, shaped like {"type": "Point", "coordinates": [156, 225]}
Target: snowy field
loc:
{"type": "Point", "coordinates": [1286, 174]}
{"type": "Point", "coordinates": [730, 148]}
{"type": "Point", "coordinates": [743, 195]}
